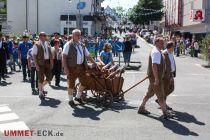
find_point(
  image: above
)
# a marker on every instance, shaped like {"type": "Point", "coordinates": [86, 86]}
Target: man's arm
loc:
{"type": "Point", "coordinates": [91, 60]}
{"type": "Point", "coordinates": [64, 63]}
{"type": "Point", "coordinates": [155, 73]}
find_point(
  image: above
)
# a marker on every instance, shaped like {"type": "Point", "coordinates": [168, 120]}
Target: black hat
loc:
{"type": "Point", "coordinates": [25, 36]}
{"type": "Point", "coordinates": [56, 33]}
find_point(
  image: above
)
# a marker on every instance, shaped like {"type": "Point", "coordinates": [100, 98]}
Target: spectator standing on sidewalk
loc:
{"type": "Point", "coordinates": [178, 48]}
{"type": "Point", "coordinates": [127, 51]}
{"type": "Point", "coordinates": [197, 49]}
{"type": "Point", "coordinates": [22, 55]}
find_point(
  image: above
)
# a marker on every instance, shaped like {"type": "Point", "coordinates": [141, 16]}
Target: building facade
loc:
{"type": "Point", "coordinates": [190, 18]}
{"type": "Point", "coordinates": [55, 16]}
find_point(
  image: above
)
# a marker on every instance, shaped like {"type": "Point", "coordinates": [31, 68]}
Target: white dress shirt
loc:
{"type": "Point", "coordinates": [80, 52]}
{"type": "Point", "coordinates": [45, 47]}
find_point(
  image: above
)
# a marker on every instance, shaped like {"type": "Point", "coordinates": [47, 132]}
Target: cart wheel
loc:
{"type": "Point", "coordinates": [107, 99]}
{"type": "Point", "coordinates": [120, 97]}
{"type": "Point", "coordinates": [94, 93]}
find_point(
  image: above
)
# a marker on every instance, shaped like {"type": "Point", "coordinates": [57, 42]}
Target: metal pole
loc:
{"type": "Point", "coordinates": [119, 57]}
{"type": "Point", "coordinates": [79, 17]}
{"type": "Point", "coordinates": [68, 24]}
{"type": "Point", "coordinates": [27, 15]}
{"type": "Point", "coordinates": [37, 16]}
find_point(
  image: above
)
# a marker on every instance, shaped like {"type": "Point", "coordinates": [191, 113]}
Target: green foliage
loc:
{"type": "Point", "coordinates": [3, 10]}
{"type": "Point", "coordinates": [141, 15]}
{"type": "Point", "coordinates": [120, 11]}
{"type": "Point", "coordinates": [204, 45]}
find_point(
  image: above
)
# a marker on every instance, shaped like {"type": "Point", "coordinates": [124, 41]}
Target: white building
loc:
{"type": "Point", "coordinates": [55, 15]}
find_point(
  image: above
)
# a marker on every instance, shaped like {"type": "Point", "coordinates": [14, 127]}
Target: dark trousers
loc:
{"type": "Point", "coordinates": [24, 66]}
{"type": "Point", "coordinates": [57, 71]}
{"type": "Point", "coordinates": [34, 80]}
{"type": "Point", "coordinates": [178, 51]}
{"type": "Point", "coordinates": [2, 69]}
{"type": "Point", "coordinates": [196, 53]}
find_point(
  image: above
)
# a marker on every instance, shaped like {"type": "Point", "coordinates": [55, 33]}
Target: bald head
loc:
{"type": "Point", "coordinates": [76, 34]}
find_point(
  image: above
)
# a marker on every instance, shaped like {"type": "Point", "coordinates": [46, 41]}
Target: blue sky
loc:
{"type": "Point", "coordinates": [124, 3]}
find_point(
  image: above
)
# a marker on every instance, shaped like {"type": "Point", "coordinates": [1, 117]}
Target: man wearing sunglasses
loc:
{"type": "Point", "coordinates": [75, 64]}
{"type": "Point", "coordinates": [43, 62]}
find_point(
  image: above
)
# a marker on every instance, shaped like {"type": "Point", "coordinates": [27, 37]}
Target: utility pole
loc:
{"type": "Point", "coordinates": [27, 15]}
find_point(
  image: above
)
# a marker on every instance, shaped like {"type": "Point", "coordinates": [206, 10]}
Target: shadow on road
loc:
{"type": "Point", "coordinates": [186, 117]}
{"type": "Point", "coordinates": [133, 67]}
{"type": "Point", "coordinates": [51, 102]}
{"type": "Point", "coordinates": [173, 125]}
{"type": "Point", "coordinates": [88, 112]}
{"type": "Point", "coordinates": [93, 109]}
{"type": "Point", "coordinates": [63, 79]}
{"type": "Point", "coordinates": [4, 83]}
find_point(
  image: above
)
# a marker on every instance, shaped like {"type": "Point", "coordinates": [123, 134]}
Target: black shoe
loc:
{"type": "Point", "coordinates": [42, 97]}
{"type": "Point", "coordinates": [45, 92]}
{"type": "Point", "coordinates": [57, 85]}
{"type": "Point", "coordinates": [168, 107]}
{"type": "Point", "coordinates": [34, 90]}
{"type": "Point", "coordinates": [168, 115]}
{"type": "Point", "coordinates": [4, 78]}
{"type": "Point", "coordinates": [72, 104]}
{"type": "Point", "coordinates": [79, 100]}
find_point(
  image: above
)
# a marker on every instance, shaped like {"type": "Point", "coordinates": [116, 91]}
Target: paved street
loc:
{"type": "Point", "coordinates": [20, 110]}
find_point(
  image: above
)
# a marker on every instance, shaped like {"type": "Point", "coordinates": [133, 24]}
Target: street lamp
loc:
{"type": "Point", "coordinates": [79, 17]}
{"type": "Point", "coordinates": [68, 20]}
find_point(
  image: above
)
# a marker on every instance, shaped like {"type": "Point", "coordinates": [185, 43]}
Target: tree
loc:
{"type": "Point", "coordinates": [146, 11]}
{"type": "Point", "coordinates": [120, 11]}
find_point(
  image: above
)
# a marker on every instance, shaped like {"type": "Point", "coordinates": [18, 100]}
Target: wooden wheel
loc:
{"type": "Point", "coordinates": [106, 98]}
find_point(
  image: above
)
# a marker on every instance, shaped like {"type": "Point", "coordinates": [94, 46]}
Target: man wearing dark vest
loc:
{"type": "Point", "coordinates": [74, 63]}
{"type": "Point", "coordinates": [43, 62]}
{"type": "Point", "coordinates": [4, 56]}
{"type": "Point", "coordinates": [156, 70]}
{"type": "Point", "coordinates": [170, 71]}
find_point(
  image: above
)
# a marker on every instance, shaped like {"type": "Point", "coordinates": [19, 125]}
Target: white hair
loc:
{"type": "Point", "coordinates": [76, 31]}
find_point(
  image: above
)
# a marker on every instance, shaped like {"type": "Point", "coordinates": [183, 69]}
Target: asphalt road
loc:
{"type": "Point", "coordinates": [21, 110]}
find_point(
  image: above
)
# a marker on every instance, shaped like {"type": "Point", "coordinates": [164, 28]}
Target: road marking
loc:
{"type": "Point", "coordinates": [4, 109]}
{"type": "Point", "coordinates": [16, 124]}
{"type": "Point", "coordinates": [13, 126]}
{"type": "Point", "coordinates": [8, 117]}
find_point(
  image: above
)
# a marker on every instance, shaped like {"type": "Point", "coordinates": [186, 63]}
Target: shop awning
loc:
{"type": "Point", "coordinates": [65, 17]}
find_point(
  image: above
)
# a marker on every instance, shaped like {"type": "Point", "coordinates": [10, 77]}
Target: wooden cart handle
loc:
{"type": "Point", "coordinates": [135, 85]}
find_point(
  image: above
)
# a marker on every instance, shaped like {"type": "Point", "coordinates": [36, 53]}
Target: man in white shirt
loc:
{"type": "Point", "coordinates": [75, 64]}
{"type": "Point", "coordinates": [43, 62]}
{"type": "Point", "coordinates": [156, 70]}
{"type": "Point", "coordinates": [170, 71]}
